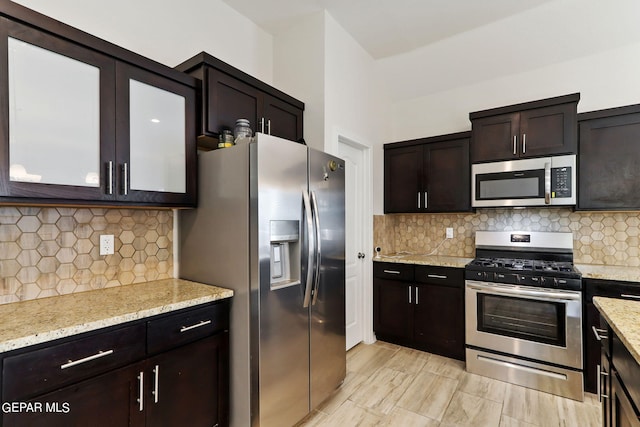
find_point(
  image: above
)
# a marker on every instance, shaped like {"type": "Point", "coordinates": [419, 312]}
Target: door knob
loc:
{"type": "Point", "coordinates": [360, 255]}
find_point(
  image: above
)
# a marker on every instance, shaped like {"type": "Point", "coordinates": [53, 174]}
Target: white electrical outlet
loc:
{"type": "Point", "coordinates": [449, 232]}
{"type": "Point", "coordinates": [106, 244]}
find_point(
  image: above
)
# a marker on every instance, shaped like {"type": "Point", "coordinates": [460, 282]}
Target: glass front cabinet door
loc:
{"type": "Point", "coordinates": [80, 126]}
{"type": "Point", "coordinates": [155, 138]}
{"type": "Point", "coordinates": [55, 117]}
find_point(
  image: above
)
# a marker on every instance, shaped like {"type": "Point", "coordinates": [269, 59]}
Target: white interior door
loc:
{"type": "Point", "coordinates": [356, 246]}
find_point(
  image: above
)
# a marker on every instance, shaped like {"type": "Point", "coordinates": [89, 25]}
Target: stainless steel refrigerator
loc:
{"type": "Point", "coordinates": [270, 224]}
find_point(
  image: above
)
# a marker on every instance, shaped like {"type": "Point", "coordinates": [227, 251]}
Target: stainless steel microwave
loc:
{"type": "Point", "coordinates": [541, 181]}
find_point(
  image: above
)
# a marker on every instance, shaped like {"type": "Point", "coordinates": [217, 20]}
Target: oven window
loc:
{"type": "Point", "coordinates": [528, 319]}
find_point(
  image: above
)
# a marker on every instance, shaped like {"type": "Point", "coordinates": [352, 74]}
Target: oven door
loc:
{"type": "Point", "coordinates": [536, 323]}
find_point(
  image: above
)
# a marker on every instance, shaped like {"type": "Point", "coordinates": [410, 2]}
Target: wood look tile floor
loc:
{"type": "Point", "coordinates": [389, 385]}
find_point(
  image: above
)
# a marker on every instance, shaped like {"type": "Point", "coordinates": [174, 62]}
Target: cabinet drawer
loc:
{"type": "Point", "coordinates": [49, 368]}
{"type": "Point", "coordinates": [393, 271]}
{"type": "Point", "coordinates": [440, 275]}
{"type": "Point", "coordinates": [181, 328]}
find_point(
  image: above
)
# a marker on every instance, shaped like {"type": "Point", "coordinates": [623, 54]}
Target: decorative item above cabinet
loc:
{"type": "Point", "coordinates": [609, 147]}
{"type": "Point", "coordinates": [531, 129]}
{"type": "Point", "coordinates": [86, 122]}
{"type": "Point", "coordinates": [229, 94]}
{"type": "Point", "coordinates": [428, 175]}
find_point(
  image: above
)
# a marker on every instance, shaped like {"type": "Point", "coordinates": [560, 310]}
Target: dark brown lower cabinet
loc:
{"type": "Point", "coordinates": [439, 320]}
{"type": "Point", "coordinates": [592, 319]}
{"type": "Point", "coordinates": [619, 381]}
{"type": "Point", "coordinates": [184, 381]}
{"type": "Point", "coordinates": [190, 385]}
{"type": "Point", "coordinates": [392, 316]}
{"type": "Point", "coordinates": [420, 307]}
{"type": "Point", "coordinates": [623, 413]}
{"type": "Point", "coordinates": [105, 401]}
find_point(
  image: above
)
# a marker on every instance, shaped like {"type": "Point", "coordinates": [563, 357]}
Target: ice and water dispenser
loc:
{"type": "Point", "coordinates": [285, 253]}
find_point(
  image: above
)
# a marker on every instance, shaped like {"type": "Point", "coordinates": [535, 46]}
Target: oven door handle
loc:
{"type": "Point", "coordinates": [513, 291]}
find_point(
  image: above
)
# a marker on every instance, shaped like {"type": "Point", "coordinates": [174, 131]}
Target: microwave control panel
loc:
{"type": "Point", "coordinates": [561, 182]}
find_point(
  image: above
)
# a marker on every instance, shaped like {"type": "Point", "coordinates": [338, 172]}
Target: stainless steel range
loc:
{"type": "Point", "coordinates": [523, 318]}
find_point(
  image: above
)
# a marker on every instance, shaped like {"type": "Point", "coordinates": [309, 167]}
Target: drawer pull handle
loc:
{"type": "Point", "coordinates": [98, 355]}
{"type": "Point", "coordinates": [197, 325]}
{"type": "Point", "coordinates": [391, 271]}
{"type": "Point", "coordinates": [599, 333]}
{"type": "Point", "coordinates": [436, 276]}
{"type": "Point", "coordinates": [630, 296]}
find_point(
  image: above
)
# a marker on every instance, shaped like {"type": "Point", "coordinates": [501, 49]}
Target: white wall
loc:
{"type": "Point", "coordinates": [356, 105]}
{"type": "Point", "coordinates": [170, 32]}
{"type": "Point", "coordinates": [298, 69]}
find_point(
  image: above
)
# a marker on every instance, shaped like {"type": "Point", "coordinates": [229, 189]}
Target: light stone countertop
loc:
{"type": "Point", "coordinates": [435, 260]}
{"type": "Point", "coordinates": [622, 315]}
{"type": "Point", "coordinates": [609, 272]}
{"type": "Point", "coordinates": [32, 322]}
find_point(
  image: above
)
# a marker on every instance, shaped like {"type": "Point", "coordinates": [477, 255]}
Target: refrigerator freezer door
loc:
{"type": "Point", "coordinates": [328, 345]}
{"type": "Point", "coordinates": [280, 332]}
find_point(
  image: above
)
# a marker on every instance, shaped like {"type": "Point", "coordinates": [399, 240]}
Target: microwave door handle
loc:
{"type": "Point", "coordinates": [547, 183]}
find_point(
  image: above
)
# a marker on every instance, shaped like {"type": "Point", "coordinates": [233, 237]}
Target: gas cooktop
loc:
{"type": "Point", "coordinates": [542, 267]}
{"type": "Point", "coordinates": [526, 258]}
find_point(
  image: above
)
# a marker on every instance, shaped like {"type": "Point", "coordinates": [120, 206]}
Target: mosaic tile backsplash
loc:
{"type": "Point", "coordinates": [607, 238]}
{"type": "Point", "coordinates": [54, 251]}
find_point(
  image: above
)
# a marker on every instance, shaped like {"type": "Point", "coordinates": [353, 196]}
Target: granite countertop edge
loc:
{"type": "Point", "coordinates": [27, 323]}
{"type": "Point", "coordinates": [622, 315]}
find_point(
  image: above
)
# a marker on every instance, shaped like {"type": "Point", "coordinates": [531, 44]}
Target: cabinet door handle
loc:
{"type": "Point", "coordinates": [262, 124]}
{"type": "Point", "coordinates": [98, 355]}
{"type": "Point", "coordinates": [140, 399]}
{"type": "Point", "coordinates": [598, 382]}
{"type": "Point", "coordinates": [515, 145]}
{"type": "Point", "coordinates": [269, 126]}
{"type": "Point", "coordinates": [599, 333]}
{"type": "Point", "coordinates": [156, 384]}
{"type": "Point", "coordinates": [110, 177]}
{"type": "Point", "coordinates": [125, 178]}
{"type": "Point", "coordinates": [436, 276]}
{"type": "Point", "coordinates": [409, 294]}
{"type": "Point", "coordinates": [391, 271]}
{"type": "Point", "coordinates": [599, 374]}
{"type": "Point", "coordinates": [417, 296]}
{"type": "Point", "coordinates": [418, 200]}
{"type": "Point", "coordinates": [524, 143]}
{"type": "Point", "coordinates": [426, 200]}
{"type": "Point", "coordinates": [630, 296]}
{"type": "Point", "coordinates": [547, 183]}
{"type": "Point", "coordinates": [197, 325]}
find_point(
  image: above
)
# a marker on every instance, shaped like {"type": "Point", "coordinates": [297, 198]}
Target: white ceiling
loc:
{"type": "Point", "coordinates": [424, 47]}
{"type": "Point", "coordinates": [386, 28]}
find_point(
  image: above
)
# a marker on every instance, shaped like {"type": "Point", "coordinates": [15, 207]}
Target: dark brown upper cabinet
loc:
{"type": "Point", "coordinates": [532, 129]}
{"type": "Point", "coordinates": [609, 147]}
{"type": "Point", "coordinates": [428, 175]}
{"type": "Point", "coordinates": [229, 94]}
{"type": "Point", "coordinates": [86, 122]}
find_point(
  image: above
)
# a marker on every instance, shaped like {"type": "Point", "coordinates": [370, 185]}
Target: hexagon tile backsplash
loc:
{"type": "Point", "coordinates": [54, 251]}
{"type": "Point", "coordinates": [608, 238]}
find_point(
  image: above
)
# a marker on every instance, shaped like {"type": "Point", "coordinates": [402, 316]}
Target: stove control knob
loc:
{"type": "Point", "coordinates": [549, 282]}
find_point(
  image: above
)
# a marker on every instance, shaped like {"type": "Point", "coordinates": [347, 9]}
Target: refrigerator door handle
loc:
{"type": "Point", "coordinates": [310, 248]}
{"type": "Point", "coordinates": [316, 217]}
